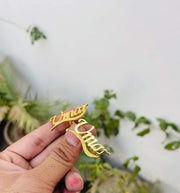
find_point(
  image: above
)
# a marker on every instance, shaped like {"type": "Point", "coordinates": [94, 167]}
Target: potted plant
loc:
{"type": "Point", "coordinates": [22, 115]}
{"type": "Point", "coordinates": [100, 177]}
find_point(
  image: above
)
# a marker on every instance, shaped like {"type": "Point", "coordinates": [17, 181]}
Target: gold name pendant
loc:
{"type": "Point", "coordinates": [89, 143]}
{"type": "Point", "coordinates": [71, 116]}
{"type": "Point", "coordinates": [90, 147]}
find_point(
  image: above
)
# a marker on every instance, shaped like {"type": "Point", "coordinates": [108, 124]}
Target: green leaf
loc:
{"type": "Point", "coordinates": [163, 124]}
{"type": "Point", "coordinates": [107, 166]}
{"type": "Point", "coordinates": [142, 120]}
{"type": "Point", "coordinates": [102, 104]}
{"type": "Point", "coordinates": [173, 145]}
{"type": "Point", "coordinates": [112, 127]}
{"type": "Point", "coordinates": [130, 115]}
{"type": "Point", "coordinates": [144, 132]}
{"type": "Point", "coordinates": [108, 94]}
{"type": "Point", "coordinates": [35, 34]}
{"type": "Point", "coordinates": [135, 158]}
{"type": "Point", "coordinates": [127, 162]}
{"type": "Point", "coordinates": [119, 113]}
{"type": "Point", "coordinates": [174, 127]}
{"type": "Point", "coordinates": [96, 114]}
{"type": "Point", "coordinates": [125, 165]}
{"type": "Point", "coordinates": [137, 169]}
{"type": "Point", "coordinates": [7, 91]}
{"type": "Point", "coordinates": [3, 112]}
{"type": "Point", "coordinates": [20, 117]}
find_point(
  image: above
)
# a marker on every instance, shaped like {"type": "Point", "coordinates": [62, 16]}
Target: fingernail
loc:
{"type": "Point", "coordinates": [76, 181]}
{"type": "Point", "coordinates": [72, 139]}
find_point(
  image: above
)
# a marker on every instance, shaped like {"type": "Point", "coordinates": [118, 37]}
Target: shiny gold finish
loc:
{"type": "Point", "coordinates": [90, 147]}
{"type": "Point", "coordinates": [89, 142]}
{"type": "Point", "coordinates": [70, 116]}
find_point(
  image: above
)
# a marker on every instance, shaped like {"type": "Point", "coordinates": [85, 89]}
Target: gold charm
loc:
{"type": "Point", "coordinates": [71, 116]}
{"type": "Point", "coordinates": [90, 147]}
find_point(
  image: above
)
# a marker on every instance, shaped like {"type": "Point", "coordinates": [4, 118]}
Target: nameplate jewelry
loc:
{"type": "Point", "coordinates": [89, 142]}
{"type": "Point", "coordinates": [71, 116]}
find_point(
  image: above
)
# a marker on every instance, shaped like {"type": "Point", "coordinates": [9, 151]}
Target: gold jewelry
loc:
{"type": "Point", "coordinates": [90, 147]}
{"type": "Point", "coordinates": [71, 116]}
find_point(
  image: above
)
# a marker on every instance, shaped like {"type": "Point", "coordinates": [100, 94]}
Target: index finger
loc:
{"type": "Point", "coordinates": [32, 144]}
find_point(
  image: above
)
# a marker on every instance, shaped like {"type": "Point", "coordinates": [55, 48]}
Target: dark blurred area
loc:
{"type": "Point", "coordinates": [3, 143]}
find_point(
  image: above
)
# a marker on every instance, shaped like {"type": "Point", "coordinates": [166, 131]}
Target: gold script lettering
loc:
{"type": "Point", "coordinates": [70, 116]}
{"type": "Point", "coordinates": [89, 141]}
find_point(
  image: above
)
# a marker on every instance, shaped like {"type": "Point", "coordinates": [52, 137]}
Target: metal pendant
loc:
{"type": "Point", "coordinates": [89, 143]}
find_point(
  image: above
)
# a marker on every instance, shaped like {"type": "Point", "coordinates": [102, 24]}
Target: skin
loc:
{"type": "Point", "coordinates": [42, 161]}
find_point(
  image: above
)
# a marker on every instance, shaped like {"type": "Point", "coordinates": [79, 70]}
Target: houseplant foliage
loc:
{"type": "Point", "coordinates": [109, 122]}
{"type": "Point", "coordinates": [101, 117]}
{"type": "Point", "coordinates": [35, 34]}
{"type": "Point", "coordinates": [27, 115]}
{"type": "Point", "coordinates": [33, 31]}
{"type": "Point", "coordinates": [100, 177]}
{"type": "Point", "coordinates": [12, 106]}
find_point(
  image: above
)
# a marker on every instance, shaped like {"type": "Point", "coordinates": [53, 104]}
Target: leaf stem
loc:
{"type": "Point", "coordinates": [13, 23]}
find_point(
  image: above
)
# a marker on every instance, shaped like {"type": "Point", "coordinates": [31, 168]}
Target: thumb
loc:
{"type": "Point", "coordinates": [60, 161]}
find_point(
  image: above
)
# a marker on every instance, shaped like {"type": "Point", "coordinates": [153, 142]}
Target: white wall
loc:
{"type": "Point", "coordinates": [129, 46]}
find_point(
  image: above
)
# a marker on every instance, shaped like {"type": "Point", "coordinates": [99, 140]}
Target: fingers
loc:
{"type": "Point", "coordinates": [60, 161]}
{"type": "Point", "coordinates": [33, 143]}
{"type": "Point", "coordinates": [42, 156]}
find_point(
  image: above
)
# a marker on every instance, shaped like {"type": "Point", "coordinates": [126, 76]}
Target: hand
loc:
{"type": "Point", "coordinates": [42, 161]}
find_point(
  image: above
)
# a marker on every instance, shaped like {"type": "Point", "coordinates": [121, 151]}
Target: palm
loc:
{"type": "Point", "coordinates": [9, 172]}
{"type": "Point", "coordinates": [28, 153]}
